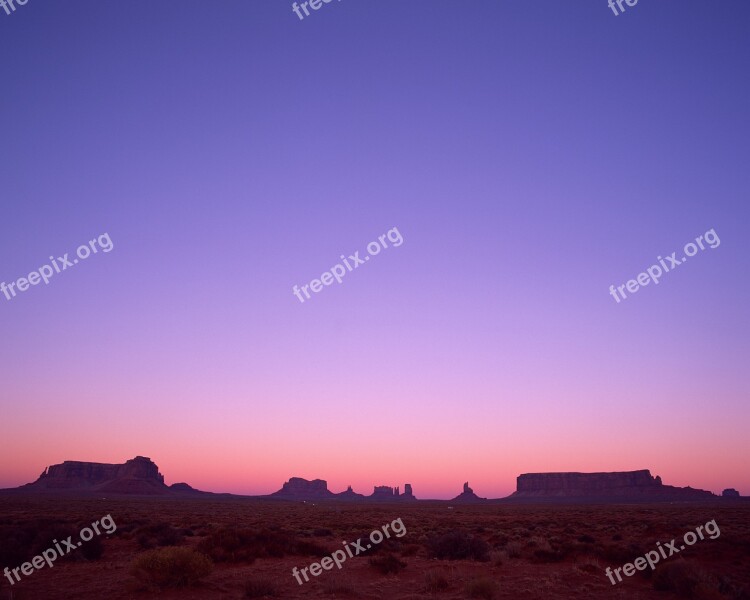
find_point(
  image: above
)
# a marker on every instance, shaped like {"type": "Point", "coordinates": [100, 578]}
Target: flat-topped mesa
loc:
{"type": "Point", "coordinates": [626, 484]}
{"type": "Point", "coordinates": [298, 488]}
{"type": "Point", "coordinates": [138, 475]}
{"type": "Point", "coordinates": [562, 483]}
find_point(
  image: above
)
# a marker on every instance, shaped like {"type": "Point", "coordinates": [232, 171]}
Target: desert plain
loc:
{"type": "Point", "coordinates": [247, 548]}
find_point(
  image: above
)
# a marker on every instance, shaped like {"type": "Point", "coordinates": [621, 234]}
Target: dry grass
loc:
{"type": "Point", "coordinates": [535, 552]}
{"type": "Point", "coordinates": [170, 567]}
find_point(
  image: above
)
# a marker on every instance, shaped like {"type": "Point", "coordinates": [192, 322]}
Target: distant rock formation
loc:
{"type": "Point", "coordinates": [349, 494]}
{"type": "Point", "coordinates": [186, 489]}
{"type": "Point", "coordinates": [302, 489]}
{"type": "Point", "coordinates": [298, 488]}
{"type": "Point", "coordinates": [632, 485]}
{"type": "Point", "coordinates": [136, 476]}
{"type": "Point", "coordinates": [468, 495]}
{"type": "Point", "coordinates": [730, 493]}
{"type": "Point", "coordinates": [385, 493]}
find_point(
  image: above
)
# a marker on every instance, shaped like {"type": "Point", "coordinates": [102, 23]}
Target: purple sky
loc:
{"type": "Point", "coordinates": [530, 153]}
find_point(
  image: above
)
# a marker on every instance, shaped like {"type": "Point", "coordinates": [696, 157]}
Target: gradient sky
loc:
{"type": "Point", "coordinates": [530, 153]}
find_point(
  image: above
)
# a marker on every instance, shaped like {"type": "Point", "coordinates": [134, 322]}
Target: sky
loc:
{"type": "Point", "coordinates": [529, 154]}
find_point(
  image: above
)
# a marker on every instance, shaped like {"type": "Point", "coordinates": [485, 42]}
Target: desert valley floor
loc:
{"type": "Point", "coordinates": [509, 551]}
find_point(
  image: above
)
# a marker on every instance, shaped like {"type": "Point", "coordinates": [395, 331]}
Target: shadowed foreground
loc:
{"type": "Point", "coordinates": [503, 551]}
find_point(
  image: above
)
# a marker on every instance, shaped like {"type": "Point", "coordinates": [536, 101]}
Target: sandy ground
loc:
{"type": "Point", "coordinates": [535, 552]}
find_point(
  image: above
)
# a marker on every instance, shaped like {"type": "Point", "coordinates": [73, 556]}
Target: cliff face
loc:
{"type": "Point", "coordinates": [136, 476]}
{"type": "Point", "coordinates": [626, 484]}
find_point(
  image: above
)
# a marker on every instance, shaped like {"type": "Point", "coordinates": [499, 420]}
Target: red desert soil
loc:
{"type": "Point", "coordinates": [536, 552]}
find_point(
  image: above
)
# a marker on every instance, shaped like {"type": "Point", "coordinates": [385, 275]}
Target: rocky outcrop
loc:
{"type": "Point", "coordinates": [136, 476]}
{"type": "Point", "coordinates": [349, 494]}
{"type": "Point", "coordinates": [468, 496]}
{"type": "Point", "coordinates": [302, 489]}
{"type": "Point", "coordinates": [730, 493]}
{"type": "Point", "coordinates": [184, 488]}
{"type": "Point", "coordinates": [635, 485]}
{"type": "Point", "coordinates": [385, 493]}
{"type": "Point", "coordinates": [298, 488]}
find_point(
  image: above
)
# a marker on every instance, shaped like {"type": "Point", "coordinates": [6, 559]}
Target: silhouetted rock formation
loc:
{"type": "Point", "coordinates": [349, 494]}
{"type": "Point", "coordinates": [633, 485]}
{"type": "Point", "coordinates": [302, 489]}
{"type": "Point", "coordinates": [137, 476]}
{"type": "Point", "coordinates": [385, 493]}
{"type": "Point", "coordinates": [468, 495]}
{"type": "Point", "coordinates": [184, 488]}
{"type": "Point", "coordinates": [730, 493]}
